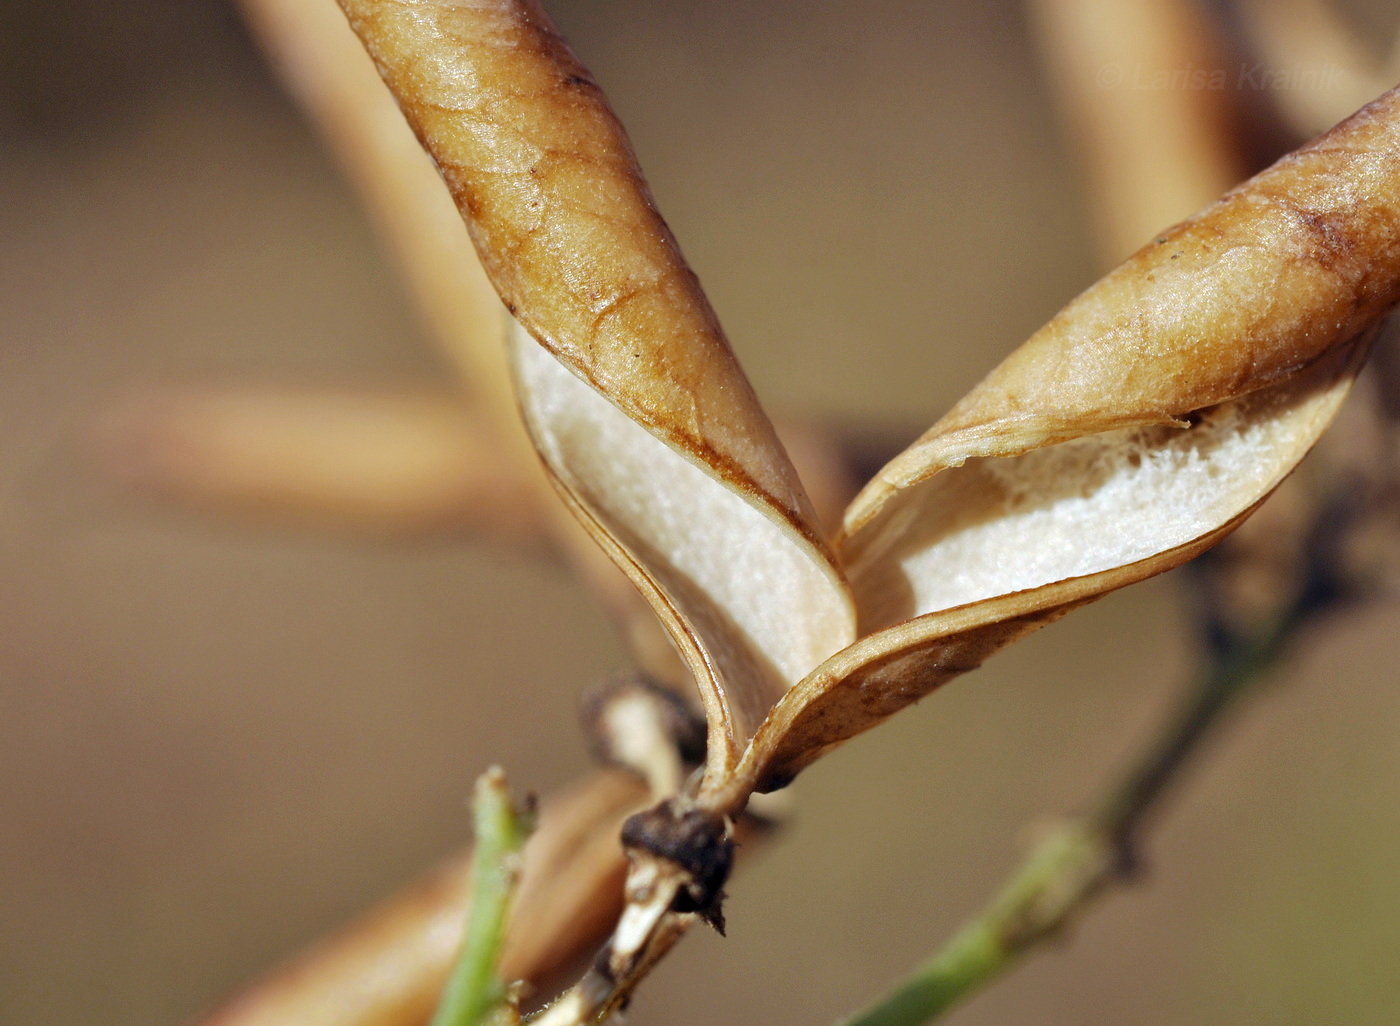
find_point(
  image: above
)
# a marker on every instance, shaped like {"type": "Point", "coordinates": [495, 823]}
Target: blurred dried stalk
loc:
{"type": "Point", "coordinates": [376, 462]}
{"type": "Point", "coordinates": [1150, 156]}
{"type": "Point", "coordinates": [366, 461]}
{"type": "Point", "coordinates": [1331, 71]}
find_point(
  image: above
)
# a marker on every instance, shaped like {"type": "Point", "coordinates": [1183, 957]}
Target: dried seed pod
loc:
{"type": "Point", "coordinates": [1132, 432]}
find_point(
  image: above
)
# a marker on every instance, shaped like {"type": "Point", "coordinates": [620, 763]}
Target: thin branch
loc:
{"type": "Point", "coordinates": [1084, 857]}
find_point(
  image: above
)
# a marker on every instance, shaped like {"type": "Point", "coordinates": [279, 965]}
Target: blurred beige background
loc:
{"type": "Point", "coordinates": [218, 741]}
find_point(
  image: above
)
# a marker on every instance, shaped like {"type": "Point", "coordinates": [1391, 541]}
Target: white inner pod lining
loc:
{"type": "Point", "coordinates": [761, 606]}
{"type": "Point", "coordinates": [1000, 525]}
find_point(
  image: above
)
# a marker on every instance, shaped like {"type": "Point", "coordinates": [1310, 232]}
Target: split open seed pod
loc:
{"type": "Point", "coordinates": [1132, 432]}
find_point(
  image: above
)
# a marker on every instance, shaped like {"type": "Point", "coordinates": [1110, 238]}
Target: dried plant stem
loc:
{"type": "Point", "coordinates": [370, 462]}
{"type": "Point", "coordinates": [1152, 156]}
{"type": "Point", "coordinates": [475, 992]}
{"type": "Point", "coordinates": [1334, 66]}
{"type": "Point", "coordinates": [1084, 857]}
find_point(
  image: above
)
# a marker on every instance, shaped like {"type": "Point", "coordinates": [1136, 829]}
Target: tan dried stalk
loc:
{"type": "Point", "coordinates": [1151, 155]}
{"type": "Point", "coordinates": [386, 463]}
{"type": "Point", "coordinates": [1324, 67]}
{"type": "Point", "coordinates": [375, 462]}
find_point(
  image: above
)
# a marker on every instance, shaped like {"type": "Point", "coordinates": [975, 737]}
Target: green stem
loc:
{"type": "Point", "coordinates": [1229, 677]}
{"type": "Point", "coordinates": [475, 994]}
{"type": "Point", "coordinates": [1041, 895]}
{"type": "Point", "coordinates": [1082, 858]}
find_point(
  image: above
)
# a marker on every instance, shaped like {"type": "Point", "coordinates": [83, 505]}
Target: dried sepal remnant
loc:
{"type": "Point", "coordinates": [636, 723]}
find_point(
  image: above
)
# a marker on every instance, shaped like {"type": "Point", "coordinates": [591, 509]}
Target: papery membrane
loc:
{"type": "Point", "coordinates": [750, 606]}
{"type": "Point", "coordinates": [999, 525]}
